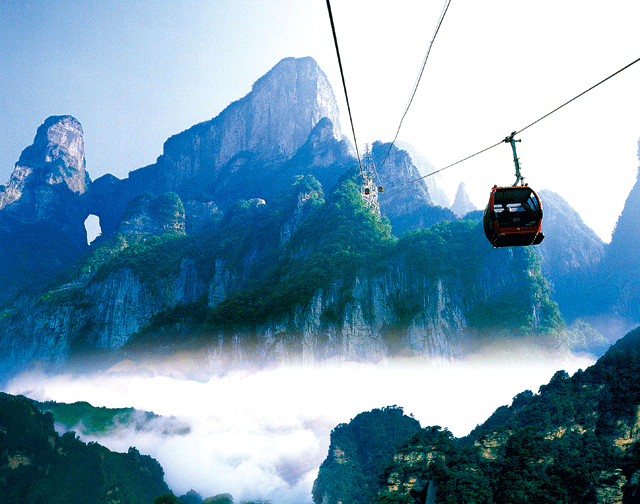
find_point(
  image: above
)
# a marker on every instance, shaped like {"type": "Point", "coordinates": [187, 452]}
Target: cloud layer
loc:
{"type": "Point", "coordinates": [264, 434]}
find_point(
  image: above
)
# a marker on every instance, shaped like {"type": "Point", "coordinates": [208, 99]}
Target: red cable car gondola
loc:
{"type": "Point", "coordinates": [513, 216]}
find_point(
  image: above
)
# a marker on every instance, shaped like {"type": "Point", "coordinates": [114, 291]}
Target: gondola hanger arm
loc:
{"type": "Point", "coordinates": [511, 140]}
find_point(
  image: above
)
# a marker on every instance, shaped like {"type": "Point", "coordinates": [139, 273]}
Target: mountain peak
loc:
{"type": "Point", "coordinates": [290, 99]}
{"type": "Point", "coordinates": [56, 157]}
{"type": "Point", "coordinates": [462, 204]}
{"type": "Point", "coordinates": [58, 148]}
{"type": "Point", "coordinates": [269, 123]}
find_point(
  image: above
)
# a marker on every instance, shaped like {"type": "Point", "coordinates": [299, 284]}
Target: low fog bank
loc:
{"type": "Point", "coordinates": [263, 434]}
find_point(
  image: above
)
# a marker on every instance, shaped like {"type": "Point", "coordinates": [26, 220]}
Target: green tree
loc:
{"type": "Point", "coordinates": [224, 498]}
{"type": "Point", "coordinates": [167, 498]}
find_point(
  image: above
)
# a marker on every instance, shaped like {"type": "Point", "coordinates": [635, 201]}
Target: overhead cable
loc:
{"type": "Point", "coordinates": [526, 127]}
{"type": "Point", "coordinates": [344, 85]}
{"type": "Point", "coordinates": [415, 86]}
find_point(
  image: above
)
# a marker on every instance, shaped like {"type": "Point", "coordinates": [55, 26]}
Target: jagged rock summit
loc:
{"type": "Point", "coordinates": [270, 123]}
{"type": "Point", "coordinates": [239, 153]}
{"type": "Point", "coordinates": [42, 210]}
{"type": "Point", "coordinates": [462, 205]}
{"type": "Point", "coordinates": [405, 199]}
{"type": "Point", "coordinates": [55, 159]}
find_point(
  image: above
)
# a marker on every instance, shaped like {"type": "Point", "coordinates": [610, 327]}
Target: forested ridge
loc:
{"type": "Point", "coordinates": [577, 440]}
{"type": "Point", "coordinates": [335, 240]}
{"type": "Point", "coordinates": [38, 465]}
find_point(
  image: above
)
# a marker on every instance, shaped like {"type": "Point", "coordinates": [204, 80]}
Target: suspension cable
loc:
{"type": "Point", "coordinates": [526, 127]}
{"type": "Point", "coordinates": [344, 85]}
{"type": "Point", "coordinates": [415, 86]}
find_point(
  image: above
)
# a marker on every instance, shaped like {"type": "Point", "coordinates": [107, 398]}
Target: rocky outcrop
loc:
{"type": "Point", "coordinates": [426, 169]}
{"type": "Point", "coordinates": [148, 215]}
{"type": "Point", "coordinates": [358, 452]}
{"type": "Point", "coordinates": [405, 199]}
{"type": "Point", "coordinates": [462, 205]}
{"type": "Point", "coordinates": [245, 152]}
{"type": "Point", "coordinates": [56, 158]}
{"type": "Point", "coordinates": [42, 209]}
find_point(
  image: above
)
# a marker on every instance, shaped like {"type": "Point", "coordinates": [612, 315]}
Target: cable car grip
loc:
{"type": "Point", "coordinates": [512, 141]}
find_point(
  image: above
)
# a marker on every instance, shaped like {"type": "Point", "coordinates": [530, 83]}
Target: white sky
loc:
{"type": "Point", "coordinates": [135, 72]}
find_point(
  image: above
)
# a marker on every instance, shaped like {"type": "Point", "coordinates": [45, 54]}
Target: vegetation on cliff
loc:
{"type": "Point", "coordinates": [38, 465]}
{"type": "Point", "coordinates": [261, 263]}
{"type": "Point", "coordinates": [358, 452]}
{"type": "Point", "coordinates": [576, 441]}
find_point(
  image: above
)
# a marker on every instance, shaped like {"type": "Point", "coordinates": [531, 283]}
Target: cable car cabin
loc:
{"type": "Point", "coordinates": [513, 217]}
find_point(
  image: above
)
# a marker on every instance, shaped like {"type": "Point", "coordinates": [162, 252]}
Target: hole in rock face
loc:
{"type": "Point", "coordinates": [92, 225]}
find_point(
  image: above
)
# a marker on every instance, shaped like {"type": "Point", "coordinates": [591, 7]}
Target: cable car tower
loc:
{"type": "Point", "coordinates": [369, 173]}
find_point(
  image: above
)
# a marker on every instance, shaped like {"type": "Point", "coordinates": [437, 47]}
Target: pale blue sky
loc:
{"type": "Point", "coordinates": [136, 72]}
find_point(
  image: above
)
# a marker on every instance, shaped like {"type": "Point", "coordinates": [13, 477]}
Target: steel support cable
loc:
{"type": "Point", "coordinates": [578, 96]}
{"type": "Point", "coordinates": [445, 8]}
{"type": "Point", "coordinates": [344, 85]}
{"type": "Point", "coordinates": [526, 127]}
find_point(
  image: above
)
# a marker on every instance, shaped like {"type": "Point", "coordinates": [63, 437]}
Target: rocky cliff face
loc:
{"type": "Point", "coordinates": [243, 152]}
{"type": "Point", "coordinates": [149, 279]}
{"type": "Point", "coordinates": [42, 210]}
{"type": "Point", "coordinates": [405, 200]}
{"type": "Point", "coordinates": [56, 158]}
{"type": "Point", "coordinates": [571, 253]}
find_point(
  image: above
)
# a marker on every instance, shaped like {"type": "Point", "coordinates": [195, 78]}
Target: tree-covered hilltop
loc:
{"type": "Point", "coordinates": [358, 451]}
{"type": "Point", "coordinates": [576, 441]}
{"type": "Point", "coordinates": [38, 465]}
{"type": "Point", "coordinates": [96, 421]}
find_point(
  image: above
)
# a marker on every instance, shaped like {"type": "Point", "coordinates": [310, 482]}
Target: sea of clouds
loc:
{"type": "Point", "coordinates": [262, 434]}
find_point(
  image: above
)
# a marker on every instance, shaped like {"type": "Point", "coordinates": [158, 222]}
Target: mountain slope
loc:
{"type": "Point", "coordinates": [42, 209]}
{"type": "Point", "coordinates": [570, 252]}
{"type": "Point", "coordinates": [300, 278]}
{"type": "Point", "coordinates": [620, 271]}
{"type": "Point", "coordinates": [577, 440]}
{"type": "Point", "coordinates": [38, 465]}
{"type": "Point", "coordinates": [239, 154]}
